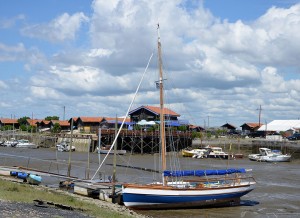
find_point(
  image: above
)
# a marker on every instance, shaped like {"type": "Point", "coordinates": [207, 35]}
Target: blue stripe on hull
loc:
{"type": "Point", "coordinates": [127, 197]}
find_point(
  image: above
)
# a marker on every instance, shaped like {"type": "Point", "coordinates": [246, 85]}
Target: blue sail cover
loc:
{"type": "Point", "coordinates": [202, 172]}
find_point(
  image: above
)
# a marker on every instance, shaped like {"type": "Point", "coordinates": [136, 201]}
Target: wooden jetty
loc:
{"type": "Point", "coordinates": [138, 141]}
{"type": "Point", "coordinates": [101, 190]}
{"type": "Point", "coordinates": [133, 141]}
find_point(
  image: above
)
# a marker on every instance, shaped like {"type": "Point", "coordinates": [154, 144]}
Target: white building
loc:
{"type": "Point", "coordinates": [281, 126]}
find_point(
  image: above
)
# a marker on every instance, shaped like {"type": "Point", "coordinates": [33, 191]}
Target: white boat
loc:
{"type": "Point", "coordinates": [24, 143]}
{"type": "Point", "coordinates": [217, 152]}
{"type": "Point", "coordinates": [64, 146]}
{"type": "Point", "coordinates": [268, 155]}
{"type": "Point", "coordinates": [176, 192]}
{"type": "Point", "coordinates": [195, 153]}
{"type": "Point", "coordinates": [10, 143]}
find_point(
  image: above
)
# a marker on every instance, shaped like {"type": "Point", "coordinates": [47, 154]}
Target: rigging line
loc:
{"type": "Point", "coordinates": [135, 94]}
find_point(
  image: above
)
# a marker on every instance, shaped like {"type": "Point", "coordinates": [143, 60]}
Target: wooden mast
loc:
{"type": "Point", "coordinates": [161, 98]}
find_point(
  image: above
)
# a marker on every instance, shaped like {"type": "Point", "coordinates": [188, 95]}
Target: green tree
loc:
{"type": "Point", "coordinates": [56, 128]}
{"type": "Point", "coordinates": [23, 127]}
{"type": "Point", "coordinates": [182, 128]}
{"type": "Point", "coordinates": [23, 120]}
{"type": "Point", "coordinates": [51, 118]}
{"type": "Point", "coordinates": [7, 127]}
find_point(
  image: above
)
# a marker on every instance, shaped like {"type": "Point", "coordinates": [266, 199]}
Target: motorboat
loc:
{"type": "Point", "coordinates": [268, 155]}
{"type": "Point", "coordinates": [64, 146]}
{"type": "Point", "coordinates": [195, 153]}
{"type": "Point", "coordinates": [217, 152]}
{"type": "Point", "coordinates": [24, 143]}
{"type": "Point", "coordinates": [200, 153]}
{"type": "Point", "coordinates": [10, 143]}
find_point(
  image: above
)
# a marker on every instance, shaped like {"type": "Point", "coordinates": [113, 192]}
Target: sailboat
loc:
{"type": "Point", "coordinates": [176, 192]}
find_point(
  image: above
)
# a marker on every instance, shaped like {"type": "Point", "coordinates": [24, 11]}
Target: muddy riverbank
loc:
{"type": "Point", "coordinates": [276, 193]}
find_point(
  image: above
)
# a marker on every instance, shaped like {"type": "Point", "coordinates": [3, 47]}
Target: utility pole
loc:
{"type": "Point", "coordinates": [64, 112]}
{"type": "Point", "coordinates": [208, 121]}
{"type": "Point", "coordinates": [259, 114]}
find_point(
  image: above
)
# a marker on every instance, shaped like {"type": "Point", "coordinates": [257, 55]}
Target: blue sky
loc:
{"type": "Point", "coordinates": [222, 58]}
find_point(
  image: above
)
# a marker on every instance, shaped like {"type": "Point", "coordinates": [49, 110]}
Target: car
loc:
{"type": "Point", "coordinates": [234, 132]}
{"type": "Point", "coordinates": [257, 134]}
{"type": "Point", "coordinates": [295, 136]}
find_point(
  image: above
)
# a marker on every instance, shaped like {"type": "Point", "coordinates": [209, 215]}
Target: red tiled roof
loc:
{"type": "Point", "coordinates": [192, 126]}
{"type": "Point", "coordinates": [253, 125]}
{"type": "Point", "coordinates": [74, 119]}
{"type": "Point", "coordinates": [91, 119]}
{"type": "Point", "coordinates": [119, 119]}
{"type": "Point", "coordinates": [61, 122]}
{"type": "Point", "coordinates": [33, 122]}
{"type": "Point", "coordinates": [8, 121]}
{"type": "Point", "coordinates": [157, 110]}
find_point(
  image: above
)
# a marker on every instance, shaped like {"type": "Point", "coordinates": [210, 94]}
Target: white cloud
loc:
{"type": "Point", "coordinates": [60, 29]}
{"type": "Point", "coordinates": [11, 53]}
{"type": "Point", "coordinates": [99, 53]}
{"type": "Point", "coordinates": [80, 80]}
{"type": "Point", "coordinates": [219, 69]}
{"type": "Point", "coordinates": [8, 23]}
{"type": "Point", "coordinates": [3, 85]}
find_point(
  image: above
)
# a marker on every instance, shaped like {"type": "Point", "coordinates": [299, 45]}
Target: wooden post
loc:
{"type": "Point", "coordinates": [88, 167]}
{"type": "Point", "coordinates": [70, 150]}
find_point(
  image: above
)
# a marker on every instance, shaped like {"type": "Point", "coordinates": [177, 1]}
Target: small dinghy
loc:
{"type": "Point", "coordinates": [34, 179]}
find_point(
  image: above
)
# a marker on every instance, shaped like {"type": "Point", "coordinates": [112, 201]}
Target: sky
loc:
{"type": "Point", "coordinates": [222, 60]}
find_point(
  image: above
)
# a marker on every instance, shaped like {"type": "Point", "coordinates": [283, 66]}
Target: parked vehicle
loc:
{"type": "Point", "coordinates": [257, 134]}
{"type": "Point", "coordinates": [234, 132]}
{"type": "Point", "coordinates": [295, 136]}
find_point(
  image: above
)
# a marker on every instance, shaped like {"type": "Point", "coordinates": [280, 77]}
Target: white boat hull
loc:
{"type": "Point", "coordinates": [26, 145]}
{"type": "Point", "coordinates": [160, 198]}
{"type": "Point", "coordinates": [266, 155]}
{"type": "Point", "coordinates": [281, 158]}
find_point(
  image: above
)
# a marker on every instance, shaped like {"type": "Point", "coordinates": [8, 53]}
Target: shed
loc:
{"type": "Point", "coordinates": [228, 126]}
{"type": "Point", "coordinates": [151, 113]}
{"type": "Point", "coordinates": [9, 122]}
{"type": "Point", "coordinates": [250, 127]}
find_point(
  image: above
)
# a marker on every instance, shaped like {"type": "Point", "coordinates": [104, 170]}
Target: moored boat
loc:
{"type": "Point", "coordinates": [174, 191]}
{"type": "Point", "coordinates": [10, 143]}
{"type": "Point", "coordinates": [33, 179]}
{"type": "Point", "coordinates": [268, 155]}
{"type": "Point", "coordinates": [64, 146]}
{"type": "Point", "coordinates": [24, 143]}
{"type": "Point", "coordinates": [223, 191]}
{"type": "Point", "coordinates": [217, 152]}
{"type": "Point", "coordinates": [195, 153]}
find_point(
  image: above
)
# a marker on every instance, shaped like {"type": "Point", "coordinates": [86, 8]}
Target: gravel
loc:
{"type": "Point", "coordinates": [13, 209]}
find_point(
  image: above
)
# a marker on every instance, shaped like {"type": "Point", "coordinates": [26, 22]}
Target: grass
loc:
{"type": "Point", "coordinates": [18, 192]}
